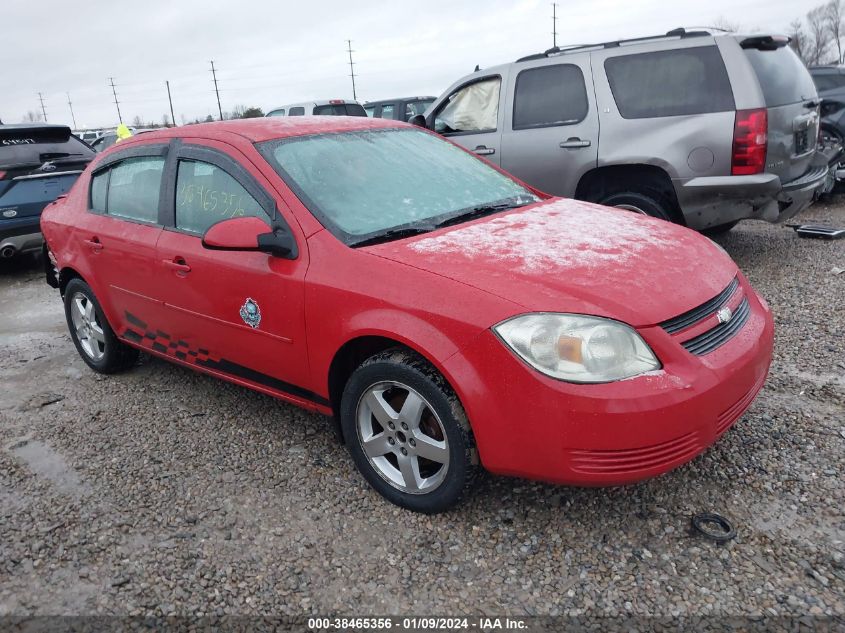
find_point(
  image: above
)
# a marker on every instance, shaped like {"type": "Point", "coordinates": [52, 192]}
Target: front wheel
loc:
{"type": "Point", "coordinates": [408, 433]}
{"type": "Point", "coordinates": [91, 333]}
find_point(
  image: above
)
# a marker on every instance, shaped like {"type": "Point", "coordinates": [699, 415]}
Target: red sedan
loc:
{"type": "Point", "coordinates": [448, 316]}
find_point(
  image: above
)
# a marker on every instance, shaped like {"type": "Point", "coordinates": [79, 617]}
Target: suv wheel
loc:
{"type": "Point", "coordinates": [91, 333]}
{"type": "Point", "coordinates": [408, 433]}
{"type": "Point", "coordinates": [647, 204]}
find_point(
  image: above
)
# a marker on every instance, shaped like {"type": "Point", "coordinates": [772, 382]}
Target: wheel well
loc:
{"type": "Point", "coordinates": [597, 184]}
{"type": "Point", "coordinates": [65, 275]}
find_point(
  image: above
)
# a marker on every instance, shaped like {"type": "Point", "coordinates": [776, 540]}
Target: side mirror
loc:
{"type": "Point", "coordinates": [418, 120]}
{"type": "Point", "coordinates": [249, 234]}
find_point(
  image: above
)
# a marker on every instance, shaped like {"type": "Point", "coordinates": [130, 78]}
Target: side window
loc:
{"type": "Point", "coordinates": [206, 194]}
{"type": "Point", "coordinates": [548, 96]}
{"type": "Point", "coordinates": [670, 83]}
{"type": "Point", "coordinates": [133, 189]}
{"type": "Point", "coordinates": [472, 108]}
{"type": "Point", "coordinates": [370, 110]}
{"type": "Point", "coordinates": [279, 112]}
{"type": "Point", "coordinates": [99, 188]}
{"type": "Point", "coordinates": [297, 111]}
{"type": "Point", "coordinates": [413, 108]}
{"type": "Point", "coordinates": [387, 110]}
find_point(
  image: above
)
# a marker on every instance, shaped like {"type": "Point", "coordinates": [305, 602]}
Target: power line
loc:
{"type": "Point", "coordinates": [554, 24]}
{"type": "Point", "coordinates": [172, 117]}
{"type": "Point", "coordinates": [351, 68]}
{"type": "Point", "coordinates": [116, 102]}
{"type": "Point", "coordinates": [70, 105]}
{"type": "Point", "coordinates": [43, 110]}
{"type": "Point", "coordinates": [216, 91]}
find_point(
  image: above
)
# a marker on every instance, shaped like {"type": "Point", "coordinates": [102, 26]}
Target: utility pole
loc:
{"type": "Point", "coordinates": [351, 68]}
{"type": "Point", "coordinates": [554, 24]}
{"type": "Point", "coordinates": [70, 105]}
{"type": "Point", "coordinates": [172, 117]}
{"type": "Point", "coordinates": [116, 102]}
{"type": "Point", "coordinates": [43, 110]}
{"type": "Point", "coordinates": [214, 75]}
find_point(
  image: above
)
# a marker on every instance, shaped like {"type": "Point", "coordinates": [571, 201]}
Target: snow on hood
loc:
{"type": "Point", "coordinates": [567, 255]}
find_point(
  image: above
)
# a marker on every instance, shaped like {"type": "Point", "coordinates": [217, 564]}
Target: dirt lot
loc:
{"type": "Point", "coordinates": [161, 491]}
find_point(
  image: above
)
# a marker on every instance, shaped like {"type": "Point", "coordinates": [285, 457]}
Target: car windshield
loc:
{"type": "Point", "coordinates": [373, 182]}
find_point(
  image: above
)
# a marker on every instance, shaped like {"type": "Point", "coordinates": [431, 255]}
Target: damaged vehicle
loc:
{"type": "Point", "coordinates": [447, 316]}
{"type": "Point", "coordinates": [696, 128]}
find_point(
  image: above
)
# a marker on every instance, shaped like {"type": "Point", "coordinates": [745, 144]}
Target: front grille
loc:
{"type": "Point", "coordinates": [621, 462]}
{"type": "Point", "coordinates": [700, 313]}
{"type": "Point", "coordinates": [710, 340]}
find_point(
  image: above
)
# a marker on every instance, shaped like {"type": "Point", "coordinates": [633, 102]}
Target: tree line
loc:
{"type": "Point", "coordinates": [817, 38]}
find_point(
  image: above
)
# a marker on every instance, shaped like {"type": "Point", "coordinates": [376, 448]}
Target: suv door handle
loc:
{"type": "Point", "coordinates": [574, 142]}
{"type": "Point", "coordinates": [177, 265]}
{"type": "Point", "coordinates": [483, 150]}
{"type": "Point", "coordinates": [94, 244]}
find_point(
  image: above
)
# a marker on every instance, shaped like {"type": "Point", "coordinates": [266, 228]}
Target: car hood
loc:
{"type": "Point", "coordinates": [564, 255]}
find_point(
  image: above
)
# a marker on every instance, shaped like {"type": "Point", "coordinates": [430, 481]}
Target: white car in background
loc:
{"type": "Point", "coordinates": [330, 107]}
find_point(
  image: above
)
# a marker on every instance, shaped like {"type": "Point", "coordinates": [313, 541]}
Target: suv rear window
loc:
{"type": "Point", "coordinates": [783, 77]}
{"type": "Point", "coordinates": [548, 96]}
{"type": "Point", "coordinates": [670, 83]}
{"type": "Point", "coordinates": [34, 146]}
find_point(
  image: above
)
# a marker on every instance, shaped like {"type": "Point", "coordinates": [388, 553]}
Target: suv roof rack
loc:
{"type": "Point", "coordinates": [559, 50]}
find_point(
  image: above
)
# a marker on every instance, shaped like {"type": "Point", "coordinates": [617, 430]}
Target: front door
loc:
{"type": "Point", "coordinates": [240, 314]}
{"type": "Point", "coordinates": [551, 133]}
{"type": "Point", "coordinates": [472, 116]}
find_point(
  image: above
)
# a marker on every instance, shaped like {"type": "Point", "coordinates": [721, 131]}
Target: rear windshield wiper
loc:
{"type": "Point", "coordinates": [480, 211]}
{"type": "Point", "coordinates": [392, 234]}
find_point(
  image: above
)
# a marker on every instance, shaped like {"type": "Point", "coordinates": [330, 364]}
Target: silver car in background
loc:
{"type": "Point", "coordinates": [697, 128]}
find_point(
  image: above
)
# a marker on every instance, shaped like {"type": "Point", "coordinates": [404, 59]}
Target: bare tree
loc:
{"type": "Point", "coordinates": [833, 13]}
{"type": "Point", "coordinates": [137, 122]}
{"type": "Point", "coordinates": [798, 39]}
{"type": "Point", "coordinates": [33, 116]}
{"type": "Point", "coordinates": [818, 36]}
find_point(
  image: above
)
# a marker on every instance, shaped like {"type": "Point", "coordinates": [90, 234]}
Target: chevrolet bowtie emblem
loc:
{"type": "Point", "coordinates": [724, 315]}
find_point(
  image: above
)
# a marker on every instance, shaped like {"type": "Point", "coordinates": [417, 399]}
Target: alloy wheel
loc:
{"type": "Point", "coordinates": [402, 437]}
{"type": "Point", "coordinates": [87, 325]}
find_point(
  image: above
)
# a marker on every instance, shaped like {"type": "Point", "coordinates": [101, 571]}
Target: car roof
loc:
{"type": "Point", "coordinates": [414, 98]}
{"type": "Point", "coordinates": [268, 128]}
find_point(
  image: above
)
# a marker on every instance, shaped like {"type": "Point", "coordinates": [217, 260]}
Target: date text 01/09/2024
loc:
{"type": "Point", "coordinates": [418, 624]}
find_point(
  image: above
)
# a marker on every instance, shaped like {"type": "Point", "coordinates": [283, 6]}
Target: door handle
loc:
{"type": "Point", "coordinates": [574, 143]}
{"type": "Point", "coordinates": [177, 265]}
{"type": "Point", "coordinates": [94, 244]}
{"type": "Point", "coordinates": [483, 150]}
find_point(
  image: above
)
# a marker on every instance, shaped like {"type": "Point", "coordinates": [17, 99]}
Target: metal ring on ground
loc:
{"type": "Point", "coordinates": [700, 524]}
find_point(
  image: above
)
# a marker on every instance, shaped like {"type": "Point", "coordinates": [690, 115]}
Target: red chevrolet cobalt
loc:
{"type": "Point", "coordinates": [447, 315]}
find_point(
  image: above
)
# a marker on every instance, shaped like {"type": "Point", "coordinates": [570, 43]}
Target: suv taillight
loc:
{"type": "Point", "coordinates": [750, 140]}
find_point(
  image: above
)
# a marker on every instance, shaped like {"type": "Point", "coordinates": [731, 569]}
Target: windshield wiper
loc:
{"type": "Point", "coordinates": [480, 211]}
{"type": "Point", "coordinates": [392, 234]}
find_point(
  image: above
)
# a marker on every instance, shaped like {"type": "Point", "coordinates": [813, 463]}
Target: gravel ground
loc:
{"type": "Point", "coordinates": [162, 491]}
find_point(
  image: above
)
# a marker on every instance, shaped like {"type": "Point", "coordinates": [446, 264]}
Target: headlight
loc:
{"type": "Point", "coordinates": [578, 348]}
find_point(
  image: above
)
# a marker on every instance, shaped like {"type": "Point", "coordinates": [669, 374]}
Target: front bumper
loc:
{"type": "Point", "coordinates": [528, 425]}
{"type": "Point", "coordinates": [711, 201]}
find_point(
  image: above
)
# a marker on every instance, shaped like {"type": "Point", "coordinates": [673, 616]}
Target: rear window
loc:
{"type": "Point", "coordinates": [782, 75]}
{"type": "Point", "coordinates": [34, 146]}
{"type": "Point", "coordinates": [548, 96]}
{"type": "Point", "coordinates": [355, 109]}
{"type": "Point", "coordinates": [670, 83]}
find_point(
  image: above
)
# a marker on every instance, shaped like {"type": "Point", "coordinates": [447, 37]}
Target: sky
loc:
{"type": "Point", "coordinates": [270, 53]}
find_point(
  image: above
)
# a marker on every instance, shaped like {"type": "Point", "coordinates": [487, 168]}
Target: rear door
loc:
{"type": "Point", "coordinates": [551, 131]}
{"type": "Point", "coordinates": [793, 108]}
{"type": "Point", "coordinates": [37, 164]}
{"type": "Point", "coordinates": [473, 114]}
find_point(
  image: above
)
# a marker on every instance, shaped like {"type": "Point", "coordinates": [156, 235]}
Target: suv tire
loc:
{"type": "Point", "coordinates": [94, 338]}
{"type": "Point", "coordinates": [391, 443]}
{"type": "Point", "coordinates": [648, 204]}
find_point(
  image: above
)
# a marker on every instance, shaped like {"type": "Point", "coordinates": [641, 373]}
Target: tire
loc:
{"type": "Point", "coordinates": [439, 464]}
{"type": "Point", "coordinates": [648, 204]}
{"type": "Point", "coordinates": [720, 229]}
{"type": "Point", "coordinates": [91, 333]}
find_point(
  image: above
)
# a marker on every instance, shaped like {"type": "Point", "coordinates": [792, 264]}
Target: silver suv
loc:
{"type": "Point", "coordinates": [698, 128]}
